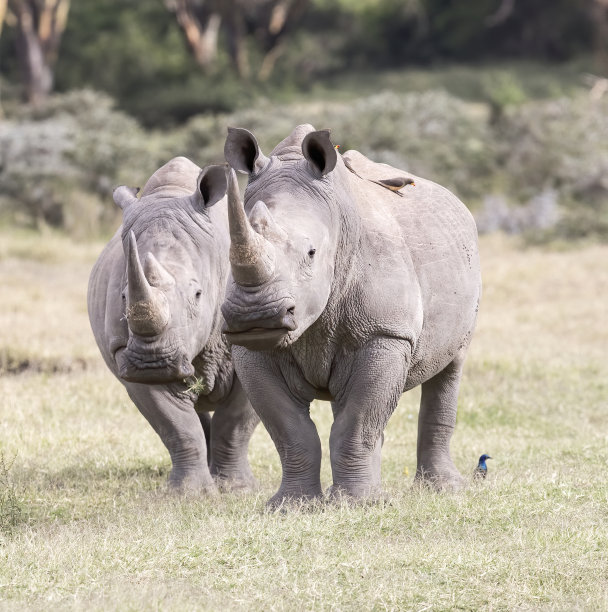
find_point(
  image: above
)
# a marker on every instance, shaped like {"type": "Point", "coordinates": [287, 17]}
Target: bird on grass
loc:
{"type": "Point", "coordinates": [482, 469]}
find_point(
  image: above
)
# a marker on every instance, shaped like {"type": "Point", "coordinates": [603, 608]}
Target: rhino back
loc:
{"type": "Point", "coordinates": [424, 278]}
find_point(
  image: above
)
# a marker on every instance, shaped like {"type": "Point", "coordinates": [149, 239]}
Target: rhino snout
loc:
{"type": "Point", "coordinates": [240, 317]}
{"type": "Point", "coordinates": [259, 326]}
{"type": "Point", "coordinates": [153, 362]}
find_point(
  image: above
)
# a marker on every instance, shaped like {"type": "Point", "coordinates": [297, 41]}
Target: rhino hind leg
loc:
{"type": "Point", "coordinates": [232, 426]}
{"type": "Point", "coordinates": [436, 422]}
{"type": "Point", "coordinates": [205, 420]}
{"type": "Point", "coordinates": [361, 413]}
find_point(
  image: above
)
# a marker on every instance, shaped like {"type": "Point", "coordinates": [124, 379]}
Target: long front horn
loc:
{"type": "Point", "coordinates": [148, 311]}
{"type": "Point", "coordinates": [251, 255]}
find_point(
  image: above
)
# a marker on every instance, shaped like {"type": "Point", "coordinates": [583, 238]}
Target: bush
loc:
{"type": "Point", "coordinates": [559, 146]}
{"type": "Point", "coordinates": [538, 168]}
{"type": "Point", "coordinates": [431, 134]}
{"type": "Point", "coordinates": [59, 163]}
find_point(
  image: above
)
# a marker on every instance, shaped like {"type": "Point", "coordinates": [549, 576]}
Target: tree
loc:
{"type": "Point", "coordinates": [599, 18]}
{"type": "Point", "coordinates": [200, 21]}
{"type": "Point", "coordinates": [39, 25]}
{"type": "Point", "coordinates": [268, 20]}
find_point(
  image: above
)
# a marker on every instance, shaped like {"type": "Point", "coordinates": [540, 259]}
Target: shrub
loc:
{"type": "Point", "coordinates": [59, 163]}
{"type": "Point", "coordinates": [431, 134]}
{"type": "Point", "coordinates": [559, 146]}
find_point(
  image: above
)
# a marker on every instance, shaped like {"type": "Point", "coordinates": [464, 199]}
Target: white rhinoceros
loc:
{"type": "Point", "coordinates": [351, 282]}
{"type": "Point", "coordinates": [154, 306]}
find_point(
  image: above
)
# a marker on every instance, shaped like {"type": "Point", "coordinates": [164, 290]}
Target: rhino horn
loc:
{"type": "Point", "coordinates": [148, 311]}
{"type": "Point", "coordinates": [251, 256]}
{"type": "Point", "coordinates": [156, 274]}
{"type": "Point", "coordinates": [263, 222]}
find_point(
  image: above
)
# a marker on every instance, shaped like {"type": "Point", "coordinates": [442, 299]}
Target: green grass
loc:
{"type": "Point", "coordinates": [96, 528]}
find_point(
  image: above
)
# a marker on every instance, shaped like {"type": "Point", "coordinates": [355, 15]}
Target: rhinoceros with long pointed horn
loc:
{"type": "Point", "coordinates": [361, 283]}
{"type": "Point", "coordinates": [154, 305]}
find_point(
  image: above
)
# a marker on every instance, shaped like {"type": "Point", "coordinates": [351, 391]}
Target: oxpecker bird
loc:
{"type": "Point", "coordinates": [482, 469]}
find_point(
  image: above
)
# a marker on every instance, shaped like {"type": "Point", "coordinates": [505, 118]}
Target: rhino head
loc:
{"type": "Point", "coordinates": [284, 237]}
{"type": "Point", "coordinates": [171, 287]}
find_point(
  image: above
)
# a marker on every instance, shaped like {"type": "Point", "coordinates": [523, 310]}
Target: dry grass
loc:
{"type": "Point", "coordinates": [99, 532]}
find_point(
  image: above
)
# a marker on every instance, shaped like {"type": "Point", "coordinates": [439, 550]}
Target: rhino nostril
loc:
{"type": "Point", "coordinates": [291, 310]}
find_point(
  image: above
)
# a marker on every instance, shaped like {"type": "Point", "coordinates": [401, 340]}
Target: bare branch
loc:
{"type": "Point", "coordinates": [502, 14]}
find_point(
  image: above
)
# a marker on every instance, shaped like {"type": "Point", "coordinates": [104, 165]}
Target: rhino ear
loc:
{"type": "Point", "coordinates": [319, 151]}
{"type": "Point", "coordinates": [242, 151]}
{"type": "Point", "coordinates": [211, 185]}
{"type": "Point", "coordinates": [123, 196]}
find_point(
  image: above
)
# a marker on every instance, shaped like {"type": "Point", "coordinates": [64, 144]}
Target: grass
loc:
{"type": "Point", "coordinates": [96, 528]}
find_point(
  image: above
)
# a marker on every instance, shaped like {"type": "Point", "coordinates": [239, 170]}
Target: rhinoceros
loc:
{"type": "Point", "coordinates": [351, 282]}
{"type": "Point", "coordinates": [154, 305]}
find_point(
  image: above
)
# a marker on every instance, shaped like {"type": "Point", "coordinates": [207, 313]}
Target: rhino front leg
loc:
{"type": "Point", "coordinates": [436, 423]}
{"type": "Point", "coordinates": [232, 426]}
{"type": "Point", "coordinates": [287, 419]}
{"type": "Point", "coordinates": [172, 415]}
{"type": "Point", "coordinates": [361, 412]}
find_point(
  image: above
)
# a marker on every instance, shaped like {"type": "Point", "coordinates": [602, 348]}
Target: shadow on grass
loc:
{"type": "Point", "coordinates": [83, 491]}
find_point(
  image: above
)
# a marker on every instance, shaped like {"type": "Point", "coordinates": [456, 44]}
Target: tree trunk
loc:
{"type": "Point", "coordinates": [40, 25]}
{"type": "Point", "coordinates": [284, 14]}
{"type": "Point", "coordinates": [3, 5]}
{"type": "Point", "coordinates": [200, 24]}
{"type": "Point", "coordinates": [237, 43]}
{"type": "Point", "coordinates": [599, 16]}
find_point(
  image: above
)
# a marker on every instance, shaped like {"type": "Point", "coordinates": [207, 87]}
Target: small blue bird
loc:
{"type": "Point", "coordinates": [482, 469]}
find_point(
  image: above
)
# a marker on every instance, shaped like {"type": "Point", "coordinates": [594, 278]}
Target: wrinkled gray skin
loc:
{"type": "Point", "coordinates": [343, 290]}
{"type": "Point", "coordinates": [154, 306]}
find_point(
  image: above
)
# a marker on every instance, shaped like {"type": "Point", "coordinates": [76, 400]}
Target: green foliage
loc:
{"type": "Point", "coordinates": [60, 162]}
{"type": "Point", "coordinates": [561, 145]}
{"type": "Point", "coordinates": [534, 167]}
{"type": "Point", "coordinates": [137, 53]}
{"type": "Point", "coordinates": [139, 56]}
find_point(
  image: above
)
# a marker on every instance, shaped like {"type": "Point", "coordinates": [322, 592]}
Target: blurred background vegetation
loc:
{"type": "Point", "coordinates": [503, 101]}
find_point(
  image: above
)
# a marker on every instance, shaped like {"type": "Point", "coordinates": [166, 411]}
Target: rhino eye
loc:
{"type": "Point", "coordinates": [311, 253]}
{"type": "Point", "coordinates": [198, 294]}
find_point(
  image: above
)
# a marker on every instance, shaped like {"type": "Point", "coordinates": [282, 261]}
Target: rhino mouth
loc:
{"type": "Point", "coordinates": [152, 367]}
{"type": "Point", "coordinates": [260, 338]}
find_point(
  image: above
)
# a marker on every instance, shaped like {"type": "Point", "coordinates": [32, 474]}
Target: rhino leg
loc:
{"type": "Point", "coordinates": [205, 419]}
{"type": "Point", "coordinates": [232, 426]}
{"type": "Point", "coordinates": [287, 419]}
{"type": "Point", "coordinates": [174, 419]}
{"type": "Point", "coordinates": [436, 423]}
{"type": "Point", "coordinates": [361, 413]}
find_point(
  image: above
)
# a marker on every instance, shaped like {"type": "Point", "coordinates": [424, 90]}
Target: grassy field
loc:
{"type": "Point", "coordinates": [87, 523]}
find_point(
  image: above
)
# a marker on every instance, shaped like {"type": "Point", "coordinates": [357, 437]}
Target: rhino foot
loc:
{"type": "Point", "coordinates": [193, 483]}
{"type": "Point", "coordinates": [337, 494]}
{"type": "Point", "coordinates": [281, 502]}
{"type": "Point", "coordinates": [235, 484]}
{"type": "Point", "coordinates": [444, 481]}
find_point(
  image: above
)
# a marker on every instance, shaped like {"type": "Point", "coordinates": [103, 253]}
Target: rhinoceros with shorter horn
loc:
{"type": "Point", "coordinates": [351, 282]}
{"type": "Point", "coordinates": [154, 306]}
